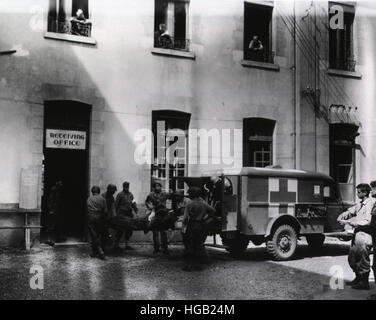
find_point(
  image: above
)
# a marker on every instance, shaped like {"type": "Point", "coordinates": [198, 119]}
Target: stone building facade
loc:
{"type": "Point", "coordinates": [139, 69]}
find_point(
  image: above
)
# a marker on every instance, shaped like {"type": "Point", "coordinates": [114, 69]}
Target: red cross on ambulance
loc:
{"type": "Point", "coordinates": [283, 194]}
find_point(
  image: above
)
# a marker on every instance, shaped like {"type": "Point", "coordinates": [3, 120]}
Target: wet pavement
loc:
{"type": "Point", "coordinates": [70, 273]}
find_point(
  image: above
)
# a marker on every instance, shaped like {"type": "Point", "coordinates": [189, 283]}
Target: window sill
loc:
{"type": "Point", "coordinates": [174, 53]}
{"type": "Point", "coordinates": [345, 74]}
{"type": "Point", "coordinates": [70, 38]}
{"type": "Point", "coordinates": [260, 65]}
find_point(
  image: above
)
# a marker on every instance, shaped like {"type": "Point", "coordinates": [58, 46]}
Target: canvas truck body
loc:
{"type": "Point", "coordinates": [275, 206]}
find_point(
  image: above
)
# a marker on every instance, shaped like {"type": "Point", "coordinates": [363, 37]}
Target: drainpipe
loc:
{"type": "Point", "coordinates": [316, 93]}
{"type": "Point", "coordinates": [294, 90]}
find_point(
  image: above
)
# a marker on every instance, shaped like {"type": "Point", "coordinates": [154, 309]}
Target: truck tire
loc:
{"type": "Point", "coordinates": [316, 241]}
{"type": "Point", "coordinates": [235, 246]}
{"type": "Point", "coordinates": [282, 243]}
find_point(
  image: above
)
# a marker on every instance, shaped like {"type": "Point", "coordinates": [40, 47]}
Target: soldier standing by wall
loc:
{"type": "Point", "coordinates": [194, 229]}
{"type": "Point", "coordinates": [125, 204]}
{"type": "Point", "coordinates": [97, 211]}
{"type": "Point", "coordinates": [156, 198]}
{"type": "Point", "coordinates": [358, 217]}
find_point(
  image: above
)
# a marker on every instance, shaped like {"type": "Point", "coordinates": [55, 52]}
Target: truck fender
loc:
{"type": "Point", "coordinates": [282, 219]}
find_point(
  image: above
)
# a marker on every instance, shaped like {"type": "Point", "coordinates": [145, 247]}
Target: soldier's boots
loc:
{"type": "Point", "coordinates": [355, 281]}
{"type": "Point", "coordinates": [363, 284]}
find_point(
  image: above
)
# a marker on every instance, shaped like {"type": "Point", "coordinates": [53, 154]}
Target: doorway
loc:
{"type": "Point", "coordinates": [66, 159]}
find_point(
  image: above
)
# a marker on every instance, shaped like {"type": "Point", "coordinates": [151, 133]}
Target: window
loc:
{"type": "Point", "coordinates": [342, 155]}
{"type": "Point", "coordinates": [170, 131]}
{"type": "Point", "coordinates": [70, 17]}
{"type": "Point", "coordinates": [341, 54]}
{"type": "Point", "coordinates": [258, 142]}
{"type": "Point", "coordinates": [171, 24]}
{"type": "Point", "coordinates": [258, 33]}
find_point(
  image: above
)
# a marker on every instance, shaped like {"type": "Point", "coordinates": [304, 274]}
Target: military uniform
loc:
{"type": "Point", "coordinates": [110, 202]}
{"type": "Point", "coordinates": [111, 212]}
{"type": "Point", "coordinates": [359, 253]}
{"type": "Point", "coordinates": [195, 231]}
{"type": "Point", "coordinates": [152, 201]}
{"type": "Point", "coordinates": [97, 211]}
{"type": "Point", "coordinates": [124, 204]}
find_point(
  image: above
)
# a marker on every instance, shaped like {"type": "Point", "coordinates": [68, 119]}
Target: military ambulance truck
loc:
{"type": "Point", "coordinates": [273, 206]}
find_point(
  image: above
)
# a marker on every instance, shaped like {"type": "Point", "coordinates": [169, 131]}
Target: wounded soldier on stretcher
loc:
{"type": "Point", "coordinates": [160, 219]}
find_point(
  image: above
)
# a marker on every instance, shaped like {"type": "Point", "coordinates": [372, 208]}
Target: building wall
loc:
{"type": "Point", "coordinates": [125, 81]}
{"type": "Point", "coordinates": [354, 90]}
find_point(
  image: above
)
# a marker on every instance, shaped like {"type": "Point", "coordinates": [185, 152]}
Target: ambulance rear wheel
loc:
{"type": "Point", "coordinates": [282, 243]}
{"type": "Point", "coordinates": [316, 241]}
{"type": "Point", "coordinates": [236, 245]}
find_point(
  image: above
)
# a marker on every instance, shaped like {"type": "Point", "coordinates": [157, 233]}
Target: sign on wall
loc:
{"type": "Point", "coordinates": [65, 139]}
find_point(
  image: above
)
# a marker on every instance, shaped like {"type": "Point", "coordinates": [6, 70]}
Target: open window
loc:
{"type": "Point", "coordinates": [258, 32]}
{"type": "Point", "coordinates": [341, 47]}
{"type": "Point", "coordinates": [258, 142]}
{"type": "Point", "coordinates": [171, 24]}
{"type": "Point", "coordinates": [69, 17]}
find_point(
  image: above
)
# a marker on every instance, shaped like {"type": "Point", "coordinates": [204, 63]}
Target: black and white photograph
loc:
{"type": "Point", "coordinates": [200, 151]}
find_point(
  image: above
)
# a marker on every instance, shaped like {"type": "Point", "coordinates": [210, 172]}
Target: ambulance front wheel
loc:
{"type": "Point", "coordinates": [282, 243]}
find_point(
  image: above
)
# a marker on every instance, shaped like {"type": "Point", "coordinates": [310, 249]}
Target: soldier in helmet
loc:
{"type": "Point", "coordinates": [155, 199]}
{"type": "Point", "coordinates": [97, 211]}
{"type": "Point", "coordinates": [194, 228]}
{"type": "Point", "coordinates": [110, 201]}
{"type": "Point", "coordinates": [125, 204]}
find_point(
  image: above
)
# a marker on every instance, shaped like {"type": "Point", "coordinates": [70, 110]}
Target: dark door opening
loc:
{"type": "Point", "coordinates": [66, 156]}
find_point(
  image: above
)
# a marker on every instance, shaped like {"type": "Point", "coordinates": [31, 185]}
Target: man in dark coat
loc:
{"type": "Point", "coordinates": [194, 229]}
{"type": "Point", "coordinates": [97, 211]}
{"type": "Point", "coordinates": [157, 198]}
{"type": "Point", "coordinates": [110, 202]}
{"type": "Point", "coordinates": [125, 204]}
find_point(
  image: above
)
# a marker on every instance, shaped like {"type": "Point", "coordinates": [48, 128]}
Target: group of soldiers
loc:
{"type": "Point", "coordinates": [194, 211]}
{"type": "Point", "coordinates": [361, 220]}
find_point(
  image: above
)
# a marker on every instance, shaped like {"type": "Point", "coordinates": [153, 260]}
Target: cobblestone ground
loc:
{"type": "Point", "coordinates": [69, 273]}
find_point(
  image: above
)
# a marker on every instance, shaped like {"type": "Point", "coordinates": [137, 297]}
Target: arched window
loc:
{"type": "Point", "coordinates": [258, 142]}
